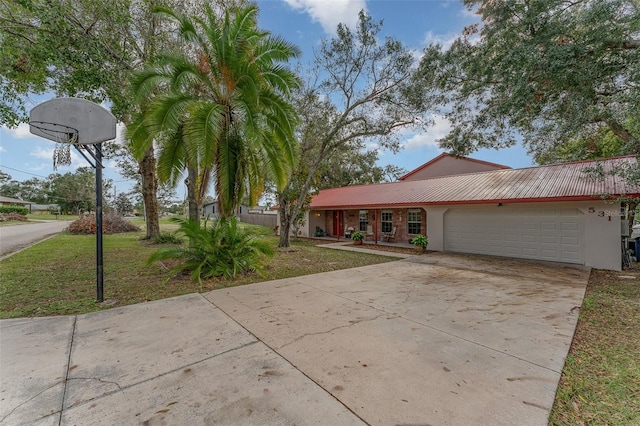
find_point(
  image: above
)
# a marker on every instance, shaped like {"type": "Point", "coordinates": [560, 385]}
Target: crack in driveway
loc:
{"type": "Point", "coordinates": [353, 322]}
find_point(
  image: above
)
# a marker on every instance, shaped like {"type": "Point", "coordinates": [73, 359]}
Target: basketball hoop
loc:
{"type": "Point", "coordinates": [72, 121]}
{"type": "Point", "coordinates": [63, 136]}
{"type": "Point", "coordinates": [84, 125]}
{"type": "Point", "coordinates": [58, 133]}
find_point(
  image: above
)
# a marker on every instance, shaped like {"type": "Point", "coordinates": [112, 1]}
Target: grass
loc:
{"type": "Point", "coordinates": [37, 217]}
{"type": "Point", "coordinates": [57, 276]}
{"type": "Point", "coordinates": [600, 382]}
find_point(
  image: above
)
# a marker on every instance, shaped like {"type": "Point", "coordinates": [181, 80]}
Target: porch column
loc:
{"type": "Point", "coordinates": [375, 230]}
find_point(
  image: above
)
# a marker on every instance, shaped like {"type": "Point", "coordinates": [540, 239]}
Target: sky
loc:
{"type": "Point", "coordinates": [416, 23]}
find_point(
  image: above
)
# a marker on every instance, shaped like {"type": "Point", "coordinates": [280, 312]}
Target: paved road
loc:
{"type": "Point", "coordinates": [14, 238]}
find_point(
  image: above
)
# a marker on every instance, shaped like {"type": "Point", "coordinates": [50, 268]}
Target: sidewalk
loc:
{"type": "Point", "coordinates": [348, 246]}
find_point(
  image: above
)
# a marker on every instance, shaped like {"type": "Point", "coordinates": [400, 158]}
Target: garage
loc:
{"type": "Point", "coordinates": [551, 234]}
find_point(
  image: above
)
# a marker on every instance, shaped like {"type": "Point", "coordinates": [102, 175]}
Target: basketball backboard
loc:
{"type": "Point", "coordinates": [72, 120]}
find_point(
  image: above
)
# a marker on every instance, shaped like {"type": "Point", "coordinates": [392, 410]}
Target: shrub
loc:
{"type": "Point", "coordinates": [420, 241]}
{"type": "Point", "coordinates": [167, 238]}
{"type": "Point", "coordinates": [222, 249]}
{"type": "Point", "coordinates": [111, 224]}
{"type": "Point", "coordinates": [357, 236]}
{"type": "Point", "coordinates": [14, 209]}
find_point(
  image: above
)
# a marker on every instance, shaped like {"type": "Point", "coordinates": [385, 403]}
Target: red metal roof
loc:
{"type": "Point", "coordinates": [558, 182]}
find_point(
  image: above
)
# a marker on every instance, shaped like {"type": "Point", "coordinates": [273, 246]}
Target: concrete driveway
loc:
{"type": "Point", "coordinates": [435, 339]}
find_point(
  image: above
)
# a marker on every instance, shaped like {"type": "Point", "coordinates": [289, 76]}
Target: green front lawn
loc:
{"type": "Point", "coordinates": [57, 276]}
{"type": "Point", "coordinates": [600, 382]}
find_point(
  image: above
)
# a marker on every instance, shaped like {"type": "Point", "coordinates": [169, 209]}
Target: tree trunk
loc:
{"type": "Point", "coordinates": [194, 215]}
{"type": "Point", "coordinates": [285, 205]}
{"type": "Point", "coordinates": [285, 222]}
{"type": "Point", "coordinates": [149, 190]}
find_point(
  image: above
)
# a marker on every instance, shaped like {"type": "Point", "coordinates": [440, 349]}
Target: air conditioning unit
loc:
{"type": "Point", "coordinates": [624, 228]}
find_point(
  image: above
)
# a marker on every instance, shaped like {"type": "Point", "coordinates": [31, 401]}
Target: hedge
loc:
{"type": "Point", "coordinates": [14, 209]}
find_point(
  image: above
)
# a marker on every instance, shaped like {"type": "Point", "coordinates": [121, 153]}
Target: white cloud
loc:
{"type": "Point", "coordinates": [111, 165]}
{"type": "Point", "coordinates": [2, 149]}
{"type": "Point", "coordinates": [42, 153]}
{"type": "Point", "coordinates": [440, 129]}
{"type": "Point", "coordinates": [470, 13]}
{"type": "Point", "coordinates": [444, 40]}
{"type": "Point", "coordinates": [20, 132]}
{"type": "Point", "coordinates": [329, 13]}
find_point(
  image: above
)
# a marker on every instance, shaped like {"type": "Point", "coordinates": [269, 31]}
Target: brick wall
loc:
{"type": "Point", "coordinates": [399, 220]}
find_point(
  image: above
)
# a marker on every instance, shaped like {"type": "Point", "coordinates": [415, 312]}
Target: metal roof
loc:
{"type": "Point", "coordinates": [558, 182]}
{"type": "Point", "coordinates": [4, 199]}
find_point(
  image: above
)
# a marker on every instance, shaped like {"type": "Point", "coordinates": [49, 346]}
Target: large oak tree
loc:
{"type": "Point", "coordinates": [551, 71]}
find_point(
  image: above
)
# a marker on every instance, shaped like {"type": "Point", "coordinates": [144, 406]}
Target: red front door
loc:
{"type": "Point", "coordinates": [337, 223]}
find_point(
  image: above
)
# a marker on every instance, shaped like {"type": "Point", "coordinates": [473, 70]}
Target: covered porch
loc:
{"type": "Point", "coordinates": [394, 226]}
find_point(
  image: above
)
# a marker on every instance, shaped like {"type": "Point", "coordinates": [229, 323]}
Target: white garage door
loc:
{"type": "Point", "coordinates": [529, 233]}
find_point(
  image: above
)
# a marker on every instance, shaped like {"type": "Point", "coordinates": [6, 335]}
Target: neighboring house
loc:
{"type": "Point", "coordinates": [44, 208]}
{"type": "Point", "coordinates": [211, 210]}
{"type": "Point", "coordinates": [8, 201]}
{"type": "Point", "coordinates": [554, 213]}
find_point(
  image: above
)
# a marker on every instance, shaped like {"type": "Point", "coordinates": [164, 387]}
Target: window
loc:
{"type": "Point", "coordinates": [364, 220]}
{"type": "Point", "coordinates": [414, 221]}
{"type": "Point", "coordinates": [386, 219]}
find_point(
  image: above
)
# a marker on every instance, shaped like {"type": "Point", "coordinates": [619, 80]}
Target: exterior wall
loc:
{"type": "Point", "coordinates": [351, 219]}
{"type": "Point", "coordinates": [211, 210]}
{"type": "Point", "coordinates": [601, 232]}
{"type": "Point", "coordinates": [316, 218]}
{"type": "Point", "coordinates": [435, 226]}
{"type": "Point", "coordinates": [304, 229]}
{"type": "Point", "coordinates": [328, 223]}
{"type": "Point", "coordinates": [449, 165]}
{"type": "Point", "coordinates": [398, 220]}
{"type": "Point", "coordinates": [602, 235]}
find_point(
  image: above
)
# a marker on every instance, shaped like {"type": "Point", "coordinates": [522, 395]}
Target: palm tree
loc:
{"type": "Point", "coordinates": [219, 106]}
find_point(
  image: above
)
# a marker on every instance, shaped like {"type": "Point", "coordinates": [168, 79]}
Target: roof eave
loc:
{"type": "Point", "coordinates": [470, 202]}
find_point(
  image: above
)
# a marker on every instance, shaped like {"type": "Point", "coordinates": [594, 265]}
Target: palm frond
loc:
{"type": "Point", "coordinates": [186, 28]}
{"type": "Point", "coordinates": [221, 249]}
{"type": "Point", "coordinates": [166, 112]}
{"type": "Point", "coordinates": [172, 159]}
{"type": "Point", "coordinates": [139, 138]}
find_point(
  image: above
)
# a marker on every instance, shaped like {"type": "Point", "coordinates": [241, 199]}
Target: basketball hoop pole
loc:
{"type": "Point", "coordinates": [99, 257]}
